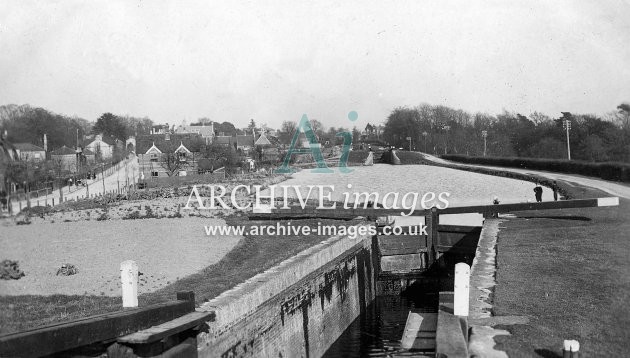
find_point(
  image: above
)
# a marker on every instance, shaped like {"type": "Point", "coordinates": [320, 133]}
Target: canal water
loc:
{"type": "Point", "coordinates": [377, 331]}
{"type": "Point", "coordinates": [464, 188]}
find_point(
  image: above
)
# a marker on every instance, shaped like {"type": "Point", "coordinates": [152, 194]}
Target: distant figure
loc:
{"type": "Point", "coordinates": [370, 158]}
{"type": "Point", "coordinates": [394, 158]}
{"type": "Point", "coordinates": [70, 182]}
{"type": "Point", "coordinates": [495, 201]}
{"type": "Point", "coordinates": [538, 190]}
{"type": "Point", "coordinates": [555, 191]}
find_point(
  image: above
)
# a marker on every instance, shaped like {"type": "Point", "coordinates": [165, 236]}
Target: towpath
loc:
{"type": "Point", "coordinates": [563, 274]}
{"type": "Point", "coordinates": [615, 189]}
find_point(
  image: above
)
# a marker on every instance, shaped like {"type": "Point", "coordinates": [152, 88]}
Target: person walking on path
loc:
{"type": "Point", "coordinates": [555, 191]}
{"type": "Point", "coordinates": [538, 190]}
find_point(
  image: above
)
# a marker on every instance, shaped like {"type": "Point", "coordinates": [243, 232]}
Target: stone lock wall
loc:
{"type": "Point", "coordinates": [325, 289]}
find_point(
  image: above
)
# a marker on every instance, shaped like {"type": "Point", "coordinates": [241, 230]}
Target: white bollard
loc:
{"type": "Point", "coordinates": [462, 289]}
{"type": "Point", "coordinates": [129, 283]}
{"type": "Point", "coordinates": [571, 349]}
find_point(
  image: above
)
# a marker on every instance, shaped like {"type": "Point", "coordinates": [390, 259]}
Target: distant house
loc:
{"type": "Point", "coordinates": [30, 152]}
{"type": "Point", "coordinates": [262, 141]}
{"type": "Point", "coordinates": [244, 142]}
{"type": "Point", "coordinates": [372, 132]}
{"type": "Point", "coordinates": [205, 131]}
{"type": "Point", "coordinates": [103, 146]}
{"type": "Point", "coordinates": [8, 154]}
{"type": "Point", "coordinates": [90, 156]}
{"type": "Point", "coordinates": [225, 140]}
{"type": "Point", "coordinates": [167, 155]}
{"type": "Point", "coordinates": [160, 129]}
{"type": "Point", "coordinates": [65, 158]}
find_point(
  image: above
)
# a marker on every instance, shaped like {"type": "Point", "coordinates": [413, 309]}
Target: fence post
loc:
{"type": "Point", "coordinates": [129, 283]}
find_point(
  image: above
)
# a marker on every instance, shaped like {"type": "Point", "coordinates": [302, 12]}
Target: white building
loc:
{"type": "Point", "coordinates": [102, 145]}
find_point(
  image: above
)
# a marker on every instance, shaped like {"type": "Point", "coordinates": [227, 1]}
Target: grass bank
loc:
{"type": "Point", "coordinates": [252, 255]}
{"type": "Point", "coordinates": [568, 271]}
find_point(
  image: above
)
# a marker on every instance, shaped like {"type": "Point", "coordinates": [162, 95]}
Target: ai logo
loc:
{"type": "Point", "coordinates": [315, 148]}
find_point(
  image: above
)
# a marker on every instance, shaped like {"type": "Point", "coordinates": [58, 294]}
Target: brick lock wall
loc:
{"type": "Point", "coordinates": [305, 319]}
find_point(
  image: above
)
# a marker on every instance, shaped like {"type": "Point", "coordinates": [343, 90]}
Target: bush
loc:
{"type": "Point", "coordinates": [607, 170]}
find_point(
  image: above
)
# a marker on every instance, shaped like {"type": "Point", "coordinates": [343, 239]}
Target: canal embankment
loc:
{"type": "Point", "coordinates": [560, 274]}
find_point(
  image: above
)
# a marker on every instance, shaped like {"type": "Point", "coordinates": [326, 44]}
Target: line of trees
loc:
{"type": "Point", "coordinates": [26, 124]}
{"type": "Point", "coordinates": [442, 130]}
{"type": "Point", "coordinates": [121, 127]}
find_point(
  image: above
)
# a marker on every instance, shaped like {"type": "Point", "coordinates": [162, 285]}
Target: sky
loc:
{"type": "Point", "coordinates": [274, 61]}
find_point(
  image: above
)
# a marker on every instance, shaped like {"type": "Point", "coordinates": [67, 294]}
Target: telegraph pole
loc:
{"type": "Point", "coordinates": [567, 127]}
{"type": "Point", "coordinates": [566, 123]}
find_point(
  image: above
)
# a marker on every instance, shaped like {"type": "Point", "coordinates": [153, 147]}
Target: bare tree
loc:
{"type": "Point", "coordinates": [287, 130]}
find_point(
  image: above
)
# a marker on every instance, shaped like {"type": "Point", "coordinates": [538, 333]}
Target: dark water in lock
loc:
{"type": "Point", "coordinates": [377, 331]}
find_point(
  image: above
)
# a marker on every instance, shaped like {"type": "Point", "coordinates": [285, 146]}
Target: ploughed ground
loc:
{"type": "Point", "coordinates": [223, 270]}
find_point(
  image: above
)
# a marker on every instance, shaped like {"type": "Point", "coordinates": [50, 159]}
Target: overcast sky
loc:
{"type": "Point", "coordinates": [236, 60]}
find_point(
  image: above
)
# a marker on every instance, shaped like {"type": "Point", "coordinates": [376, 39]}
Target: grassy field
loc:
{"type": "Point", "coordinates": [252, 255]}
{"type": "Point", "coordinates": [568, 271]}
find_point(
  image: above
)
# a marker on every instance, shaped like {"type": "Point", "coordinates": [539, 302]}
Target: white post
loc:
{"type": "Point", "coordinates": [462, 289]}
{"type": "Point", "coordinates": [571, 349]}
{"type": "Point", "coordinates": [129, 283]}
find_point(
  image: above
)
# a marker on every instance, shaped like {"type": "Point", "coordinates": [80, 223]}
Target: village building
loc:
{"type": "Point", "coordinates": [160, 129]}
{"type": "Point", "coordinates": [90, 157]}
{"type": "Point", "coordinates": [65, 159]}
{"type": "Point", "coordinates": [8, 154]}
{"type": "Point", "coordinates": [169, 154]}
{"type": "Point", "coordinates": [262, 141]}
{"type": "Point", "coordinates": [30, 152]}
{"type": "Point", "coordinates": [102, 146]}
{"type": "Point", "coordinates": [372, 132]}
{"type": "Point", "coordinates": [225, 140]}
{"type": "Point", "coordinates": [205, 131]}
{"type": "Point", "coordinates": [245, 143]}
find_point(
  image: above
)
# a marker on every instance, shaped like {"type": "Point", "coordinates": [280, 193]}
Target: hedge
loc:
{"type": "Point", "coordinates": [616, 171]}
